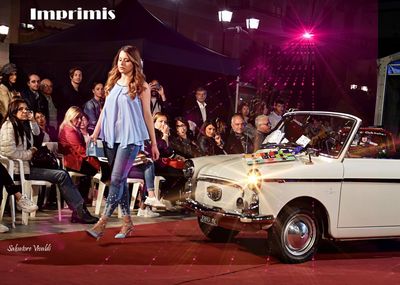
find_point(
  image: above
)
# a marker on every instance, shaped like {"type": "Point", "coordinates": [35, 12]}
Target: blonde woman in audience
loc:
{"type": "Point", "coordinates": [72, 145]}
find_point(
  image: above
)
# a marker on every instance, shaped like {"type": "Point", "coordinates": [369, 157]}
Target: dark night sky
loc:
{"type": "Point", "coordinates": [389, 27]}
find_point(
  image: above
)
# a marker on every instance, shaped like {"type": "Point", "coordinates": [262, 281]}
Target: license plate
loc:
{"type": "Point", "coordinates": [208, 220]}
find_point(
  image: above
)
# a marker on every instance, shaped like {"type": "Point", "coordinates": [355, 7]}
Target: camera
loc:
{"type": "Point", "coordinates": [154, 89]}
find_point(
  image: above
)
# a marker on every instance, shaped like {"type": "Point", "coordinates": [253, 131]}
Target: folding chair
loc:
{"type": "Point", "coordinates": [9, 164]}
{"type": "Point", "coordinates": [29, 189]}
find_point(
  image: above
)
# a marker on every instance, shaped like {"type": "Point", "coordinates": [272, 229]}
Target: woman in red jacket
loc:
{"type": "Point", "coordinates": [72, 145]}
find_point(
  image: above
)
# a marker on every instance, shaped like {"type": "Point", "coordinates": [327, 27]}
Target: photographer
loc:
{"type": "Point", "coordinates": [158, 99]}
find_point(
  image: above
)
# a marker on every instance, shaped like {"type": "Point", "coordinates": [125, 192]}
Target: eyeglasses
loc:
{"type": "Point", "coordinates": [181, 126]}
{"type": "Point", "coordinates": [35, 81]}
{"type": "Point", "coordinates": [20, 109]}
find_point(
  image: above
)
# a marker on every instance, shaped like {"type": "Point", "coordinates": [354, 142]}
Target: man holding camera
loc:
{"type": "Point", "coordinates": [158, 99]}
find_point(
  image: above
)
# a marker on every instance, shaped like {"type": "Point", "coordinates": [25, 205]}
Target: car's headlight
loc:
{"type": "Point", "coordinates": [254, 179]}
{"type": "Point", "coordinates": [188, 170]}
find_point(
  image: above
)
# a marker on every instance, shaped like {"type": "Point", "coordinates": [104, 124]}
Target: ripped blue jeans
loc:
{"type": "Point", "coordinates": [121, 160]}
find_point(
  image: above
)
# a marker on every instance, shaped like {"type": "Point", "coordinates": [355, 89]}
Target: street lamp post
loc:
{"type": "Point", "coordinates": [225, 16]}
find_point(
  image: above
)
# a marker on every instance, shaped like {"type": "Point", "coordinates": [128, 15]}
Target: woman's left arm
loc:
{"type": "Point", "coordinates": [145, 98]}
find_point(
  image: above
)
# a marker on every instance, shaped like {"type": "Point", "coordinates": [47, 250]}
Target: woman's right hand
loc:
{"type": "Point", "coordinates": [218, 140]}
{"type": "Point", "coordinates": [155, 154]}
{"type": "Point", "coordinates": [165, 130]}
{"type": "Point", "coordinates": [33, 150]}
{"type": "Point", "coordinates": [93, 138]}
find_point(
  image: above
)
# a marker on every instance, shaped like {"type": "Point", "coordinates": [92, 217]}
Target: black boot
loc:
{"type": "Point", "coordinates": [81, 215]}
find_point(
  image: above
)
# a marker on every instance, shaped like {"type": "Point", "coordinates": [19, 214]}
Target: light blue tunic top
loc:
{"type": "Point", "coordinates": [123, 120]}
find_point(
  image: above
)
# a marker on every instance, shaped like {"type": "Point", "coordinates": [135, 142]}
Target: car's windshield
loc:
{"type": "Point", "coordinates": [322, 132]}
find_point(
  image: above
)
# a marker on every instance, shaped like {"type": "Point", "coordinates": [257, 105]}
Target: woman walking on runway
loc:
{"type": "Point", "coordinates": [124, 124]}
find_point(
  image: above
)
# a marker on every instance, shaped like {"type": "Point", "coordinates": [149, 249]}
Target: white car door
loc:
{"type": "Point", "coordinates": [370, 195]}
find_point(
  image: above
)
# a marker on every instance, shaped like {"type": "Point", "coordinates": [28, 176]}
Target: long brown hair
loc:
{"type": "Point", "coordinates": [18, 126]}
{"type": "Point", "coordinates": [138, 78]}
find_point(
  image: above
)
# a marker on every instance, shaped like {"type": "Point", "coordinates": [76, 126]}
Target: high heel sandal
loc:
{"type": "Point", "coordinates": [127, 228]}
{"type": "Point", "coordinates": [98, 229]}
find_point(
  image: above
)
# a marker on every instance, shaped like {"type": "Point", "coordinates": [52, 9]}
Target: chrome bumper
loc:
{"type": "Point", "coordinates": [234, 221]}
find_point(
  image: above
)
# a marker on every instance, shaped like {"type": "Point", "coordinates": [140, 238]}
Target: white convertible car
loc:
{"type": "Point", "coordinates": [318, 175]}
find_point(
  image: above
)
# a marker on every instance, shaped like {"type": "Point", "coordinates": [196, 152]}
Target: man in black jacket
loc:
{"type": "Point", "coordinates": [72, 93]}
{"type": "Point", "coordinates": [197, 113]}
{"type": "Point", "coordinates": [237, 141]}
{"type": "Point", "coordinates": [35, 99]}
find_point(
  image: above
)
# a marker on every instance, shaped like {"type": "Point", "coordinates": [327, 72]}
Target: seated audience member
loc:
{"type": "Point", "coordinates": [92, 108]}
{"type": "Point", "coordinates": [46, 87]}
{"type": "Point", "coordinates": [161, 126]}
{"type": "Point", "coordinates": [263, 127]}
{"type": "Point", "coordinates": [72, 145]}
{"type": "Point", "coordinates": [32, 95]}
{"type": "Point", "coordinates": [238, 141]}
{"type": "Point", "coordinates": [8, 89]}
{"type": "Point", "coordinates": [47, 133]}
{"type": "Point", "coordinates": [209, 142]}
{"type": "Point", "coordinates": [84, 128]}
{"type": "Point", "coordinates": [72, 93]}
{"type": "Point", "coordinates": [244, 110]}
{"type": "Point", "coordinates": [196, 111]}
{"type": "Point", "coordinates": [22, 201]}
{"type": "Point", "coordinates": [163, 167]}
{"type": "Point", "coordinates": [17, 143]}
{"type": "Point", "coordinates": [276, 114]}
{"type": "Point", "coordinates": [158, 98]}
{"type": "Point", "coordinates": [221, 128]}
{"type": "Point", "coordinates": [260, 108]}
{"type": "Point", "coordinates": [146, 172]}
{"type": "Point", "coordinates": [182, 142]}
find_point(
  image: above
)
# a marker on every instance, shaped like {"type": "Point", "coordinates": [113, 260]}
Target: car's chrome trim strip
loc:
{"type": "Point", "coordinates": [323, 180]}
{"type": "Point", "coordinates": [373, 180]}
{"type": "Point", "coordinates": [219, 181]}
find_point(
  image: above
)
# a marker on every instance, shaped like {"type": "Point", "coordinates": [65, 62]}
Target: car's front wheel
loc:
{"type": "Point", "coordinates": [295, 235]}
{"type": "Point", "coordinates": [216, 233]}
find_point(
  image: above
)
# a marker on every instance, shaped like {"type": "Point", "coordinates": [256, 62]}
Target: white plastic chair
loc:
{"type": "Point", "coordinates": [157, 181]}
{"type": "Point", "coordinates": [31, 191]}
{"type": "Point", "coordinates": [137, 183]}
{"type": "Point", "coordinates": [9, 164]}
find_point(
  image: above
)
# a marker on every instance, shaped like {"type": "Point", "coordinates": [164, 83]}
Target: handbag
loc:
{"type": "Point", "coordinates": [44, 158]}
{"type": "Point", "coordinates": [95, 149]}
{"type": "Point", "coordinates": [174, 163]}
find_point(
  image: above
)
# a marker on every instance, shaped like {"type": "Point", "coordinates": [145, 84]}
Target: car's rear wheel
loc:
{"type": "Point", "coordinates": [295, 236]}
{"type": "Point", "coordinates": [216, 233]}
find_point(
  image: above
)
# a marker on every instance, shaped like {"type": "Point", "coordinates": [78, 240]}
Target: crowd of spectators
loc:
{"type": "Point", "coordinates": [67, 119]}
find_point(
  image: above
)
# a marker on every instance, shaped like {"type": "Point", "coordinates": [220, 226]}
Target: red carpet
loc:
{"type": "Point", "coordinates": [177, 253]}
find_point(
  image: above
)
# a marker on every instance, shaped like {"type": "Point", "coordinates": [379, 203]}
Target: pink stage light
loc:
{"type": "Point", "coordinates": [308, 35]}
